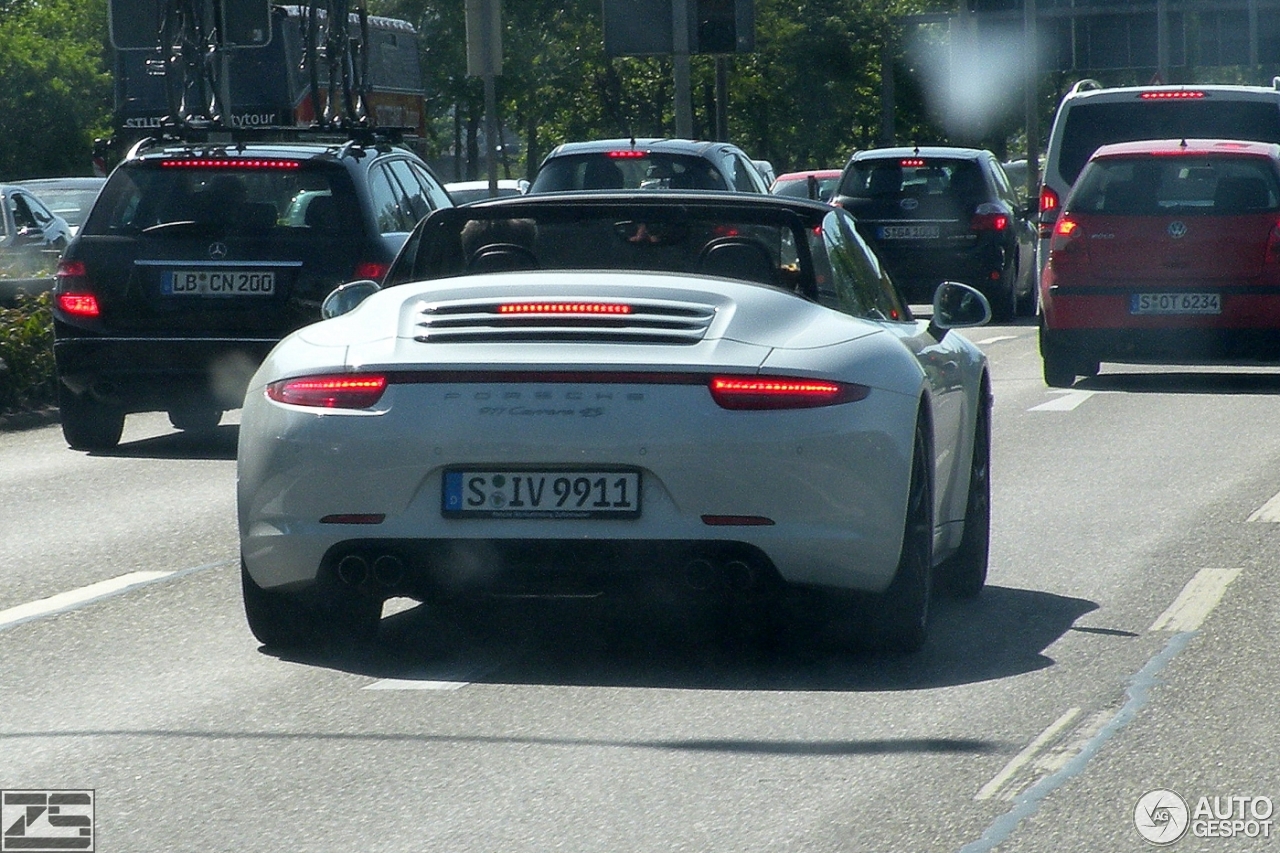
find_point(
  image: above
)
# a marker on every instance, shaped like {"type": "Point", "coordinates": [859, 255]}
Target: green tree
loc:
{"type": "Point", "coordinates": [55, 92]}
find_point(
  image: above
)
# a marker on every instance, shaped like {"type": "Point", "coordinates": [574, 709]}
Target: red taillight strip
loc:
{"type": "Point", "coordinates": [231, 163]}
{"type": "Point", "coordinates": [346, 391]}
{"type": "Point", "coordinates": [628, 155]}
{"type": "Point", "coordinates": [1180, 95]}
{"type": "Point", "coordinates": [79, 304]}
{"type": "Point", "coordinates": [912, 162]}
{"type": "Point", "coordinates": [589, 308]}
{"type": "Point", "coordinates": [782, 392]}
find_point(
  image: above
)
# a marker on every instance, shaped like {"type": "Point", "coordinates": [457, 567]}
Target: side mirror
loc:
{"type": "Point", "coordinates": [957, 306]}
{"type": "Point", "coordinates": [346, 297]}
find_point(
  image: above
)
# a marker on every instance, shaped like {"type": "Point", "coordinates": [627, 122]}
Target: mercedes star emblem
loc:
{"type": "Point", "coordinates": [217, 251]}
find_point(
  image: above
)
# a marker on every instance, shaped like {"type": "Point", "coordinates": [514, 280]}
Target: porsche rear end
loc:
{"type": "Point", "coordinates": [572, 440]}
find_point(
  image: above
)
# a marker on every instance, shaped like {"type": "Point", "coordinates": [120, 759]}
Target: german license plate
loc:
{"type": "Point", "coordinates": [1175, 303]}
{"type": "Point", "coordinates": [597, 493]}
{"type": "Point", "coordinates": [218, 283]}
{"type": "Point", "coordinates": [908, 232]}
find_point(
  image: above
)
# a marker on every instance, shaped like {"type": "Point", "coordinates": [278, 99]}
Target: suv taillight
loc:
{"type": "Point", "coordinates": [371, 269]}
{"type": "Point", "coordinates": [989, 217]}
{"type": "Point", "coordinates": [1272, 256]}
{"type": "Point", "coordinates": [74, 296]}
{"type": "Point", "coordinates": [1049, 204]}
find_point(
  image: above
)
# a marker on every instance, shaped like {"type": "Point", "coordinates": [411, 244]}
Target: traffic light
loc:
{"type": "Point", "coordinates": [722, 26]}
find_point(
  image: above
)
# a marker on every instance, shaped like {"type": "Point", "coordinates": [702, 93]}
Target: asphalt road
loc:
{"type": "Point", "coordinates": [1125, 645]}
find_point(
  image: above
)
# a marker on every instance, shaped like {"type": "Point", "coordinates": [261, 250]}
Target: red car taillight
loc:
{"type": "Point", "coordinates": [1049, 204]}
{"type": "Point", "coordinates": [345, 391]}
{"type": "Point", "coordinates": [1067, 249]}
{"type": "Point", "coordinates": [782, 392]}
{"type": "Point", "coordinates": [374, 270]}
{"type": "Point", "coordinates": [73, 294]}
{"type": "Point", "coordinates": [989, 217]}
{"type": "Point", "coordinates": [1272, 256]}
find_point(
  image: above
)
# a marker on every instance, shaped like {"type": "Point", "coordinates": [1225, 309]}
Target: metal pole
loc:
{"type": "Point", "coordinates": [680, 61]}
{"type": "Point", "coordinates": [1162, 40]}
{"type": "Point", "coordinates": [490, 96]}
{"type": "Point", "coordinates": [1030, 35]}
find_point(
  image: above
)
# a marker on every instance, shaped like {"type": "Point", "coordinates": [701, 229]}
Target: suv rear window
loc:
{"type": "Point", "coordinates": [627, 169]}
{"type": "Point", "coordinates": [1181, 185]}
{"type": "Point", "coordinates": [150, 197]}
{"type": "Point", "coordinates": [1090, 126]}
{"type": "Point", "coordinates": [915, 178]}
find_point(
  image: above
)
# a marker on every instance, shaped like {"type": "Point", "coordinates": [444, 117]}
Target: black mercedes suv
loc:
{"type": "Point", "coordinates": [197, 258]}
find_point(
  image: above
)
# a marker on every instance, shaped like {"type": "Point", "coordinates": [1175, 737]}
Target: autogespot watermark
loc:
{"type": "Point", "coordinates": [1163, 816]}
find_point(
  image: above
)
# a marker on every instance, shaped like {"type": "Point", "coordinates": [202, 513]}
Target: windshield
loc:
{"type": "Point", "coordinates": [628, 169]}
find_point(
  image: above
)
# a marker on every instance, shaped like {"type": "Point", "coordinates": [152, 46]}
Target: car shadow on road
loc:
{"type": "Point", "coordinates": [1184, 382]}
{"type": "Point", "coordinates": [1002, 633]}
{"type": "Point", "coordinates": [219, 443]}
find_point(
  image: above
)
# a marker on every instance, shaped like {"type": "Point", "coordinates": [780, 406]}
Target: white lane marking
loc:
{"type": "Point", "coordinates": [1056, 758]}
{"type": "Point", "coordinates": [1198, 597]}
{"type": "Point", "coordinates": [413, 684]}
{"type": "Point", "coordinates": [1269, 511]}
{"type": "Point", "coordinates": [77, 598]}
{"type": "Point", "coordinates": [997, 339]}
{"type": "Point", "coordinates": [1019, 761]}
{"type": "Point", "coordinates": [1065, 403]}
{"type": "Point", "coordinates": [444, 677]}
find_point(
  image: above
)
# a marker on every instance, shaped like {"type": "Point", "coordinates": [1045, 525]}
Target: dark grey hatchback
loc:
{"type": "Point", "coordinates": [937, 214]}
{"type": "Point", "coordinates": [198, 259]}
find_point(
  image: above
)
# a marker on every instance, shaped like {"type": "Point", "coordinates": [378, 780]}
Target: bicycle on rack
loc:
{"type": "Point", "coordinates": [190, 49]}
{"type": "Point", "coordinates": [339, 96]}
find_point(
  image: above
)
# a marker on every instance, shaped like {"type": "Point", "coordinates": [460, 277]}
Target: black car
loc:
{"type": "Point", "coordinates": [648, 164]}
{"type": "Point", "coordinates": [943, 214]}
{"type": "Point", "coordinates": [198, 258]}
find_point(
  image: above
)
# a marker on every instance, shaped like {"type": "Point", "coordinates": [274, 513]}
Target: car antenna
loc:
{"type": "Point", "coordinates": [1184, 142]}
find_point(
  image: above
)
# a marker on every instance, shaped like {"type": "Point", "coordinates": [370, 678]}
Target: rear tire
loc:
{"type": "Point", "coordinates": [195, 418]}
{"type": "Point", "coordinates": [88, 424]}
{"type": "Point", "coordinates": [1059, 364]}
{"type": "Point", "coordinates": [1004, 299]}
{"type": "Point", "coordinates": [312, 619]}
{"type": "Point", "coordinates": [964, 573]}
{"type": "Point", "coordinates": [898, 618]}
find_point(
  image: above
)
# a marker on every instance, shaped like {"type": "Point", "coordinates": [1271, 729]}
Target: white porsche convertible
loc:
{"type": "Point", "coordinates": [563, 394]}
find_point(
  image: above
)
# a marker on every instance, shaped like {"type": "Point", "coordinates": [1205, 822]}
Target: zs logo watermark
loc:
{"type": "Point", "coordinates": [46, 821]}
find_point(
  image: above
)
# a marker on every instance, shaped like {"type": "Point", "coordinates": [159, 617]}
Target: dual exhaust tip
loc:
{"type": "Point", "coordinates": [702, 575]}
{"type": "Point", "coordinates": [386, 570]}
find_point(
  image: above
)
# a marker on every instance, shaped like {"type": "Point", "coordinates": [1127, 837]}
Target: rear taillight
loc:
{"type": "Point", "coordinates": [1066, 248]}
{"type": "Point", "coordinates": [74, 296]}
{"type": "Point", "coordinates": [782, 392]}
{"type": "Point", "coordinates": [989, 217]}
{"type": "Point", "coordinates": [373, 270]}
{"type": "Point", "coordinates": [1049, 204]}
{"type": "Point", "coordinates": [344, 391]}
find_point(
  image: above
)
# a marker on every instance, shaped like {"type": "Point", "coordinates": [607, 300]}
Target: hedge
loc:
{"type": "Point", "coordinates": [27, 378]}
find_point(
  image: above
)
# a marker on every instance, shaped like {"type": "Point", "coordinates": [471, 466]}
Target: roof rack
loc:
{"type": "Point", "coordinates": [367, 137]}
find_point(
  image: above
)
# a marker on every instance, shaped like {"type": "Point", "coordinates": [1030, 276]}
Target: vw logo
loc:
{"type": "Point", "coordinates": [909, 203]}
{"type": "Point", "coordinates": [217, 251]}
{"type": "Point", "coordinates": [1177, 230]}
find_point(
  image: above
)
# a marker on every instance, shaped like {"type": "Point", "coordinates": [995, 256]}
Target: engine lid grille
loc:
{"type": "Point", "coordinates": [555, 320]}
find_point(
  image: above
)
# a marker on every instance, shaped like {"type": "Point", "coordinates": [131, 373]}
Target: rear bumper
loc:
{"type": "Point", "coordinates": [1097, 322]}
{"type": "Point", "coordinates": [156, 373]}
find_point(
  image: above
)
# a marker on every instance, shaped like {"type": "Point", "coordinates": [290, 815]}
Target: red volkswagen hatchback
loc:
{"type": "Point", "coordinates": [1166, 252]}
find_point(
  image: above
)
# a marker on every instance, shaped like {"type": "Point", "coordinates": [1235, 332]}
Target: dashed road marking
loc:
{"type": "Point", "coordinates": [1268, 512]}
{"type": "Point", "coordinates": [76, 598]}
{"type": "Point", "coordinates": [1064, 403]}
{"type": "Point", "coordinates": [1198, 597]}
{"type": "Point", "coordinates": [997, 339]}
{"type": "Point", "coordinates": [1020, 760]}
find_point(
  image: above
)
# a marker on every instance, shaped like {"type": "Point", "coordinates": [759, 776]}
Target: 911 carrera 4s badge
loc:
{"type": "Point", "coordinates": [596, 493]}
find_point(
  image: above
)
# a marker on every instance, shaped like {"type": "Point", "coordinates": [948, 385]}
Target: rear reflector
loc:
{"type": "Point", "coordinates": [589, 308]}
{"type": "Point", "coordinates": [737, 521]}
{"type": "Point", "coordinates": [231, 163]}
{"type": "Point", "coordinates": [782, 392]}
{"type": "Point", "coordinates": [348, 391]}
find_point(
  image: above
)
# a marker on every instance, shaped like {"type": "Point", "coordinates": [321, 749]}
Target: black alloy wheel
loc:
{"type": "Point", "coordinates": [89, 424]}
